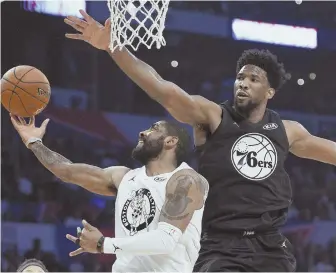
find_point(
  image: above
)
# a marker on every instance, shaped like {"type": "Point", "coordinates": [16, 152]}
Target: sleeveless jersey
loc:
{"type": "Point", "coordinates": [244, 165]}
{"type": "Point", "coordinates": [137, 210]}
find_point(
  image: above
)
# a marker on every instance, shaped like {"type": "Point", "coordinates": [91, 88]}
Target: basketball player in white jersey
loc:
{"type": "Point", "coordinates": [159, 207]}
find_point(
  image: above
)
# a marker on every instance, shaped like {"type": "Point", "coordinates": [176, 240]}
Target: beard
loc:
{"type": "Point", "coordinates": [246, 107]}
{"type": "Point", "coordinates": [148, 150]}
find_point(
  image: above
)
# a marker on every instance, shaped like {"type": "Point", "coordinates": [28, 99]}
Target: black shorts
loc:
{"type": "Point", "coordinates": [250, 253]}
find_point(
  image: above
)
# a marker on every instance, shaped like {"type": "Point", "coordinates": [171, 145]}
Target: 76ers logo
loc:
{"type": "Point", "coordinates": [138, 211]}
{"type": "Point", "coordinates": [254, 156]}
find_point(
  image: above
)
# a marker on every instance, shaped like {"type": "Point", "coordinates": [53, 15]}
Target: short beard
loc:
{"type": "Point", "coordinates": [247, 109]}
{"type": "Point", "coordinates": [149, 151]}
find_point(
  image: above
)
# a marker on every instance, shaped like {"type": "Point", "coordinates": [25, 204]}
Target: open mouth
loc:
{"type": "Point", "coordinates": [141, 140]}
{"type": "Point", "coordinates": [241, 94]}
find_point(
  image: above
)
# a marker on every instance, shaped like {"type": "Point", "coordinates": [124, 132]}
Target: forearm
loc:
{"type": "Point", "coordinates": [174, 99]}
{"type": "Point", "coordinates": [54, 162]}
{"type": "Point", "coordinates": [140, 73]}
{"type": "Point", "coordinates": [160, 241]}
{"type": "Point", "coordinates": [90, 177]}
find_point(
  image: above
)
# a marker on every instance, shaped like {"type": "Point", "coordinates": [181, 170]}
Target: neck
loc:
{"type": "Point", "coordinates": [159, 166]}
{"type": "Point", "coordinates": [256, 114]}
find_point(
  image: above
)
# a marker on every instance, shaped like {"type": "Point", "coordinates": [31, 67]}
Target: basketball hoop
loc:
{"type": "Point", "coordinates": [137, 22]}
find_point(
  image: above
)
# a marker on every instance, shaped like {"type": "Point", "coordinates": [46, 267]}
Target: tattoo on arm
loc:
{"type": "Point", "coordinates": [47, 156]}
{"type": "Point", "coordinates": [178, 201]}
{"type": "Point", "coordinates": [50, 159]}
{"type": "Point", "coordinates": [185, 195]}
{"type": "Point", "coordinates": [92, 178]}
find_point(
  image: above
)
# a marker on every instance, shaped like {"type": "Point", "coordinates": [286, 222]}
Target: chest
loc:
{"type": "Point", "coordinates": [250, 152]}
{"type": "Point", "coordinates": [138, 204]}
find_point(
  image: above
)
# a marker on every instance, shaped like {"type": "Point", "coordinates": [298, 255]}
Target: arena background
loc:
{"type": "Point", "coordinates": [96, 113]}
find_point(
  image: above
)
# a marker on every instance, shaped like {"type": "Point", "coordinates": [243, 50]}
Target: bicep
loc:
{"type": "Point", "coordinates": [185, 193]}
{"type": "Point", "coordinates": [189, 109]}
{"type": "Point", "coordinates": [316, 148]}
{"type": "Point", "coordinates": [305, 145]}
{"type": "Point", "coordinates": [95, 179]}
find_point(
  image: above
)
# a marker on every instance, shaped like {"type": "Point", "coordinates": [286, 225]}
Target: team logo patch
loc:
{"type": "Point", "coordinates": [270, 126]}
{"type": "Point", "coordinates": [254, 156]}
{"type": "Point", "coordinates": [138, 211]}
{"type": "Point", "coordinates": [159, 179]}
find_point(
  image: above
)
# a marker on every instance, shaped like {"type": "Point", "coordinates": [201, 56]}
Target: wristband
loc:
{"type": "Point", "coordinates": [32, 140]}
{"type": "Point", "coordinates": [100, 244]}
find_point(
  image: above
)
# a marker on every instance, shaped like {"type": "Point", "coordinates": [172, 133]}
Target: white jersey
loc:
{"type": "Point", "coordinates": [137, 210]}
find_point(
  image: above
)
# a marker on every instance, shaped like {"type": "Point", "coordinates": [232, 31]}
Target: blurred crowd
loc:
{"type": "Point", "coordinates": [312, 257]}
{"type": "Point", "coordinates": [12, 258]}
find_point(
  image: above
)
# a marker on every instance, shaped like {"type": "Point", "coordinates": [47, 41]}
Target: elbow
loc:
{"type": "Point", "coordinates": [171, 248]}
{"type": "Point", "coordinates": [63, 172]}
{"type": "Point", "coordinates": [167, 249]}
{"type": "Point", "coordinates": [169, 242]}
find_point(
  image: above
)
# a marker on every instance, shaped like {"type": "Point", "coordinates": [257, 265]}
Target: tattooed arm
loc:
{"type": "Point", "coordinates": [186, 192]}
{"type": "Point", "coordinates": [92, 178]}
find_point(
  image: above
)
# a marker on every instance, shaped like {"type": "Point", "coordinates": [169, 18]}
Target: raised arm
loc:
{"type": "Point", "coordinates": [183, 107]}
{"type": "Point", "coordinates": [186, 192]}
{"type": "Point", "coordinates": [94, 179]}
{"type": "Point", "coordinates": [305, 145]}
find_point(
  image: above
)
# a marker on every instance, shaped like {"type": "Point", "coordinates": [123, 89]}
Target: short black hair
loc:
{"type": "Point", "coordinates": [267, 61]}
{"type": "Point", "coordinates": [183, 149]}
{"type": "Point", "coordinates": [31, 262]}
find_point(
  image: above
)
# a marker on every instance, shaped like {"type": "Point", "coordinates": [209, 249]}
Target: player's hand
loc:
{"type": "Point", "coordinates": [28, 130]}
{"type": "Point", "coordinates": [87, 239]}
{"type": "Point", "coordinates": [90, 30]}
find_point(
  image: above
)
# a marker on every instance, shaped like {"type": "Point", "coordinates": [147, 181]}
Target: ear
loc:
{"type": "Point", "coordinates": [170, 142]}
{"type": "Point", "coordinates": [270, 93]}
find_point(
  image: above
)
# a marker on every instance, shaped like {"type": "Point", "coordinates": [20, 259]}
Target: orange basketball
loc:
{"type": "Point", "coordinates": [25, 91]}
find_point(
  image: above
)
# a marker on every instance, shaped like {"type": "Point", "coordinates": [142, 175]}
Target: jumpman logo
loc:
{"type": "Point", "coordinates": [284, 244]}
{"type": "Point", "coordinates": [132, 179]}
{"type": "Point", "coordinates": [116, 248]}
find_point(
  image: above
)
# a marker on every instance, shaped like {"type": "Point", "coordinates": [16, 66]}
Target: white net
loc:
{"type": "Point", "coordinates": [137, 22]}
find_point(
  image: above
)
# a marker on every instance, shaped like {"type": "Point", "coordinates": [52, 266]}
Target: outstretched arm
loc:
{"type": "Point", "coordinates": [92, 178]}
{"type": "Point", "coordinates": [186, 192]}
{"type": "Point", "coordinates": [305, 145]}
{"type": "Point", "coordinates": [183, 107]}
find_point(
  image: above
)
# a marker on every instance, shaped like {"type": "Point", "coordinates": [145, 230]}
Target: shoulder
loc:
{"type": "Point", "coordinates": [294, 130]}
{"type": "Point", "coordinates": [293, 127]}
{"type": "Point", "coordinates": [207, 106]}
{"type": "Point", "coordinates": [116, 174]}
{"type": "Point", "coordinates": [189, 184]}
{"type": "Point", "coordinates": [190, 180]}
{"type": "Point", "coordinates": [211, 110]}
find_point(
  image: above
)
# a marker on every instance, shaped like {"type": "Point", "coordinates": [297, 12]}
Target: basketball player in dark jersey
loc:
{"type": "Point", "coordinates": [242, 147]}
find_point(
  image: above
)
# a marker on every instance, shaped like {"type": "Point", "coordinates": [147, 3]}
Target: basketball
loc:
{"type": "Point", "coordinates": [25, 91]}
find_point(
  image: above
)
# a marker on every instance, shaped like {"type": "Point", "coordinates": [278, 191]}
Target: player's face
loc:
{"type": "Point", "coordinates": [150, 144]}
{"type": "Point", "coordinates": [250, 89]}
